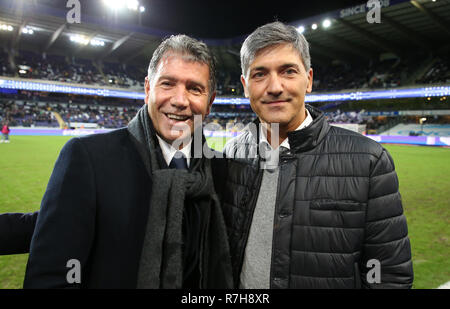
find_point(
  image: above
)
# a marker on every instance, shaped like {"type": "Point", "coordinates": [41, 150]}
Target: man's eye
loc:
{"type": "Point", "coordinates": [290, 71]}
{"type": "Point", "coordinates": [258, 74]}
{"type": "Point", "coordinates": [196, 90]}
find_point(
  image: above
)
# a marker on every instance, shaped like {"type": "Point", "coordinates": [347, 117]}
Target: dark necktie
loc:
{"type": "Point", "coordinates": [178, 161]}
{"type": "Point", "coordinates": [191, 233]}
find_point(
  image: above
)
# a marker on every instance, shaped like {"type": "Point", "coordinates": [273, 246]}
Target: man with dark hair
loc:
{"type": "Point", "coordinates": [134, 207]}
{"type": "Point", "coordinates": [307, 205]}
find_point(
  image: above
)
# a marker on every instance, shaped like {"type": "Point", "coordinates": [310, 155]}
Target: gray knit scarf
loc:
{"type": "Point", "coordinates": [172, 190]}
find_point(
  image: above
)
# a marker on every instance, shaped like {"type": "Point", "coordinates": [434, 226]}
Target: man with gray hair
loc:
{"type": "Point", "coordinates": [307, 205]}
{"type": "Point", "coordinates": [134, 208]}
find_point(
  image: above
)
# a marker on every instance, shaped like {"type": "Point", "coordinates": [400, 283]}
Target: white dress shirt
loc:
{"type": "Point", "coordinates": [169, 151]}
{"type": "Point", "coordinates": [263, 134]}
{"type": "Point", "coordinates": [271, 155]}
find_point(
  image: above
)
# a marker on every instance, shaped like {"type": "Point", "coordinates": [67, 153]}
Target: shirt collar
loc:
{"type": "Point", "coordinates": [263, 136]}
{"type": "Point", "coordinates": [169, 151]}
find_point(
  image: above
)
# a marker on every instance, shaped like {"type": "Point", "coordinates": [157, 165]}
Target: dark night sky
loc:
{"type": "Point", "coordinates": [229, 18]}
{"type": "Point", "coordinates": [215, 18]}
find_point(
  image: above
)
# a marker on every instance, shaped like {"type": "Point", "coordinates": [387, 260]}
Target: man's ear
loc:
{"type": "Point", "coordinates": [244, 85]}
{"type": "Point", "coordinates": [147, 90]}
{"type": "Point", "coordinates": [211, 100]}
{"type": "Point", "coordinates": [310, 81]}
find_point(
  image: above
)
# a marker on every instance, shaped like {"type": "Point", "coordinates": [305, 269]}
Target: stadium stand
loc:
{"type": "Point", "coordinates": [124, 76]}
{"type": "Point", "coordinates": [416, 130]}
{"type": "Point", "coordinates": [384, 68]}
{"type": "Point", "coordinates": [33, 114]}
{"type": "Point", "coordinates": [57, 68]}
{"type": "Point", "coordinates": [388, 73]}
{"type": "Point", "coordinates": [35, 110]}
{"type": "Point", "coordinates": [438, 73]}
{"type": "Point", "coordinates": [341, 76]}
{"type": "Point", "coordinates": [5, 69]}
{"type": "Point", "coordinates": [53, 67]}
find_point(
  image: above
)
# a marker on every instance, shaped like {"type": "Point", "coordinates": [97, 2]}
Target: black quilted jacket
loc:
{"type": "Point", "coordinates": [338, 207]}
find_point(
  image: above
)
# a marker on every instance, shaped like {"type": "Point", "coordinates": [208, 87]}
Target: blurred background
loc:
{"type": "Point", "coordinates": [387, 80]}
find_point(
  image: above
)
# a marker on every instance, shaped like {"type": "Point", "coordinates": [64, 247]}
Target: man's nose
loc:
{"type": "Point", "coordinates": [275, 87]}
{"type": "Point", "coordinates": [180, 98]}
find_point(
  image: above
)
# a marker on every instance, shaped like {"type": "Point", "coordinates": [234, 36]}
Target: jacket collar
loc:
{"type": "Point", "coordinates": [312, 135]}
{"type": "Point", "coordinates": [309, 137]}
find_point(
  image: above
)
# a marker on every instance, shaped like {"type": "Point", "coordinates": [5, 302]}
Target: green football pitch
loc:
{"type": "Point", "coordinates": [424, 175]}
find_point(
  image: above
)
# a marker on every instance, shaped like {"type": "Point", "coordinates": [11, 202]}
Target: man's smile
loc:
{"type": "Point", "coordinates": [177, 117]}
{"type": "Point", "coordinates": [275, 102]}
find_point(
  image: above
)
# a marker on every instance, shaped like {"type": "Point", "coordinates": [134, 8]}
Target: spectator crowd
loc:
{"type": "Point", "coordinates": [389, 73]}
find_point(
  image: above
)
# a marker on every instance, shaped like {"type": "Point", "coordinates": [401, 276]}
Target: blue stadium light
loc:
{"type": "Point", "coordinates": [425, 92]}
{"type": "Point", "coordinates": [233, 101]}
{"type": "Point", "coordinates": [360, 95]}
{"type": "Point", "coordinates": [380, 94]}
{"type": "Point", "coordinates": [59, 88]}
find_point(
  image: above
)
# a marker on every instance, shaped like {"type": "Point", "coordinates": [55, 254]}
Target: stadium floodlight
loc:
{"type": "Point", "coordinates": [6, 27]}
{"type": "Point", "coordinates": [314, 26]}
{"type": "Point", "coordinates": [133, 5]}
{"type": "Point", "coordinates": [116, 5]}
{"type": "Point", "coordinates": [95, 42]}
{"type": "Point", "coordinates": [80, 39]}
{"type": "Point", "coordinates": [301, 29]}
{"type": "Point", "coordinates": [326, 23]}
{"type": "Point", "coordinates": [27, 31]}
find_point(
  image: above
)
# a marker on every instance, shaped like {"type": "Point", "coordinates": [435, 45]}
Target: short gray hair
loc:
{"type": "Point", "coordinates": [191, 49]}
{"type": "Point", "coordinates": [273, 34]}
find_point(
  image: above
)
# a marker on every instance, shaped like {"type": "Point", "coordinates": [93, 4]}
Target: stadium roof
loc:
{"type": "Point", "coordinates": [406, 27]}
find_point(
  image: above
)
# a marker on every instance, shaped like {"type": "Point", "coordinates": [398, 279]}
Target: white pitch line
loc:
{"type": "Point", "coordinates": [445, 286]}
